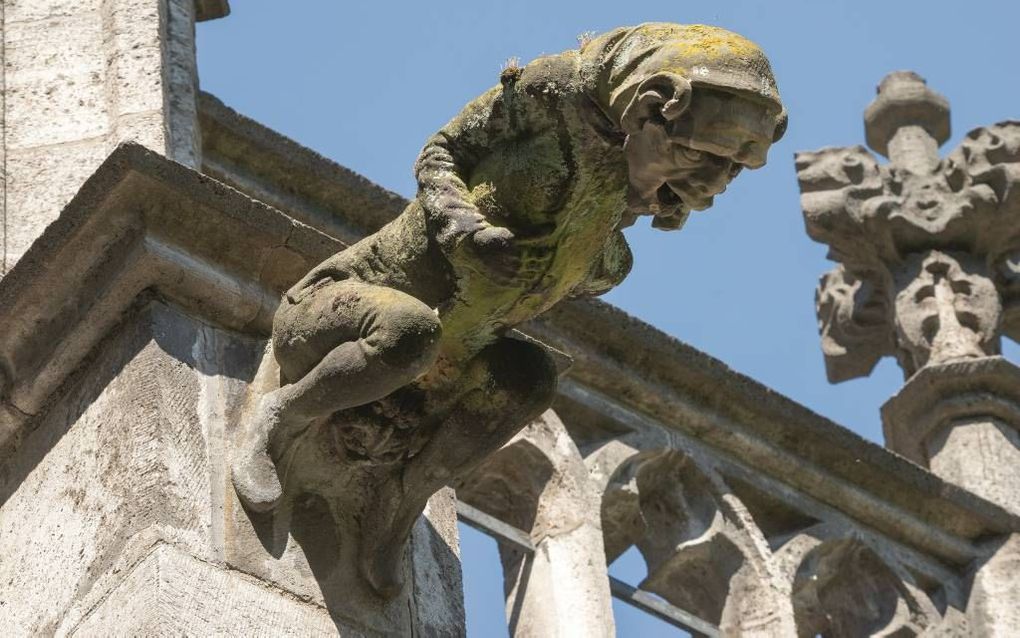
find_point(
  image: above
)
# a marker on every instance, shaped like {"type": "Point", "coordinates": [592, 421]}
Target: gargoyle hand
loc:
{"type": "Point", "coordinates": [461, 224]}
{"type": "Point", "coordinates": [492, 250]}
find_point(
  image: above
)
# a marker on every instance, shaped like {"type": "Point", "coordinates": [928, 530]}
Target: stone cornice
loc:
{"type": "Point", "coordinates": [141, 224]}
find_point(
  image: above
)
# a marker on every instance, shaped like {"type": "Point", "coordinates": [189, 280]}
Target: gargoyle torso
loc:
{"type": "Point", "coordinates": [534, 155]}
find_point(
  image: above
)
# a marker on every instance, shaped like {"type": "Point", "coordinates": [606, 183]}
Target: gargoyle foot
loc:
{"type": "Point", "coordinates": [252, 469]}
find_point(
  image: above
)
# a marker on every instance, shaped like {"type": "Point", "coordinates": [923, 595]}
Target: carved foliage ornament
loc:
{"type": "Point", "coordinates": [927, 246]}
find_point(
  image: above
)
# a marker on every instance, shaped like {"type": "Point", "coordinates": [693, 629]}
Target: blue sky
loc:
{"type": "Point", "coordinates": [366, 83]}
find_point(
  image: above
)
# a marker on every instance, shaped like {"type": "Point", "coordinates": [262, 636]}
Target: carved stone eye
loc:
{"type": "Point", "coordinates": [691, 154]}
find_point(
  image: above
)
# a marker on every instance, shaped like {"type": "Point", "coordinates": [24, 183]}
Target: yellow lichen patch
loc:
{"type": "Point", "coordinates": [699, 41]}
{"type": "Point", "coordinates": [713, 42]}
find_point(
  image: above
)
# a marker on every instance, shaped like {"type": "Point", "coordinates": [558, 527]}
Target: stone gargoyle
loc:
{"type": "Point", "coordinates": [393, 370]}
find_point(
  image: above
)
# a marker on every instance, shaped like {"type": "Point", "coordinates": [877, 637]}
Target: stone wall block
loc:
{"type": "Point", "coordinates": [142, 533]}
{"type": "Point", "coordinates": [55, 81]}
{"type": "Point", "coordinates": [80, 79]}
{"type": "Point", "coordinates": [121, 453]}
{"type": "Point", "coordinates": [62, 168]}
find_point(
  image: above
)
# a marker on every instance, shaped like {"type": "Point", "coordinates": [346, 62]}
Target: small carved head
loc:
{"type": "Point", "coordinates": [947, 308]}
{"type": "Point", "coordinates": [697, 104]}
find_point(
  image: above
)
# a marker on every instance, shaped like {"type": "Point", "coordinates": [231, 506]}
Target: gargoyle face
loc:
{"type": "Point", "coordinates": [680, 165]}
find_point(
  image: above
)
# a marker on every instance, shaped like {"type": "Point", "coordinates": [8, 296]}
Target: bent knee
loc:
{"type": "Point", "coordinates": [405, 334]}
{"type": "Point", "coordinates": [392, 326]}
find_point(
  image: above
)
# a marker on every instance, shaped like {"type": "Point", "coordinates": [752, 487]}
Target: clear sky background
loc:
{"type": "Point", "coordinates": [365, 83]}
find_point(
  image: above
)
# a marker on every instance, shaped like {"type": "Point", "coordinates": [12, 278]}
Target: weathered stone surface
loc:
{"type": "Point", "coordinates": [141, 229]}
{"type": "Point", "coordinates": [703, 550]}
{"type": "Point", "coordinates": [845, 587]}
{"type": "Point", "coordinates": [962, 419]}
{"type": "Point", "coordinates": [992, 609]}
{"type": "Point", "coordinates": [539, 484]}
{"type": "Point", "coordinates": [80, 78]}
{"type": "Point", "coordinates": [171, 592]}
{"type": "Point", "coordinates": [141, 434]}
{"type": "Point", "coordinates": [924, 244]}
{"type": "Point", "coordinates": [926, 249]}
{"type": "Point", "coordinates": [394, 369]}
{"type": "Point", "coordinates": [124, 453]}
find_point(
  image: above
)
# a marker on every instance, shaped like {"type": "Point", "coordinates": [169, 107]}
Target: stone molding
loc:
{"type": "Point", "coordinates": [79, 79]}
{"type": "Point", "coordinates": [141, 223]}
{"type": "Point", "coordinates": [939, 395]}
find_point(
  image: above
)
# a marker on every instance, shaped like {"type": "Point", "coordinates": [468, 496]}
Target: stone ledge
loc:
{"type": "Point", "coordinates": [694, 393]}
{"type": "Point", "coordinates": [141, 223]}
{"type": "Point", "coordinates": [309, 187]}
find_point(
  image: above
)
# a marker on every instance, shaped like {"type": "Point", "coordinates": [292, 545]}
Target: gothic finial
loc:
{"type": "Point", "coordinates": [907, 121]}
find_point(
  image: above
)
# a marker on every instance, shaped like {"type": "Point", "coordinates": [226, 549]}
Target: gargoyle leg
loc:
{"type": "Point", "coordinates": [517, 385]}
{"type": "Point", "coordinates": [387, 339]}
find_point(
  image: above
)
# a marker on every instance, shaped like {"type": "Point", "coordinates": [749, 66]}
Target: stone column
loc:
{"type": "Point", "coordinates": [538, 482]}
{"type": "Point", "coordinates": [927, 250]}
{"type": "Point", "coordinates": [78, 79]}
{"type": "Point", "coordinates": [929, 272]}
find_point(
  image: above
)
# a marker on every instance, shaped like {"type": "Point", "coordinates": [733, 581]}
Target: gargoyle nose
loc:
{"type": "Point", "coordinates": [751, 155]}
{"type": "Point", "coordinates": [713, 179]}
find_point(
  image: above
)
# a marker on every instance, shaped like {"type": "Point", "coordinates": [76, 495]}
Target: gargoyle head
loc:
{"type": "Point", "coordinates": [697, 104]}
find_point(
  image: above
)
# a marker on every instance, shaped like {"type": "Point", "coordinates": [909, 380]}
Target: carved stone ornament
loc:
{"type": "Point", "coordinates": [393, 369]}
{"type": "Point", "coordinates": [927, 246]}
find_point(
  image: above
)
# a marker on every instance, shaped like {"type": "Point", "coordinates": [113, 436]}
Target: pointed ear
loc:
{"type": "Point", "coordinates": [663, 95]}
{"type": "Point", "coordinates": [781, 123]}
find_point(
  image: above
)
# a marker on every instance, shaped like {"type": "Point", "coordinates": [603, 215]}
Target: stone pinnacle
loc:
{"type": "Point", "coordinates": [907, 121]}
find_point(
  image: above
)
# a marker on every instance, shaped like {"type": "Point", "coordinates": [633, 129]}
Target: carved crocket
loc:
{"type": "Point", "coordinates": [396, 372]}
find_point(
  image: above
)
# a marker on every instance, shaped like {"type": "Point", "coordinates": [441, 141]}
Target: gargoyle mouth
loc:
{"type": "Point", "coordinates": [671, 210]}
{"type": "Point", "coordinates": [668, 199]}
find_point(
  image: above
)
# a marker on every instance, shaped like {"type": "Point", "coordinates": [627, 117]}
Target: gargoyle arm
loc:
{"type": "Point", "coordinates": [443, 168]}
{"type": "Point", "coordinates": [442, 191]}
